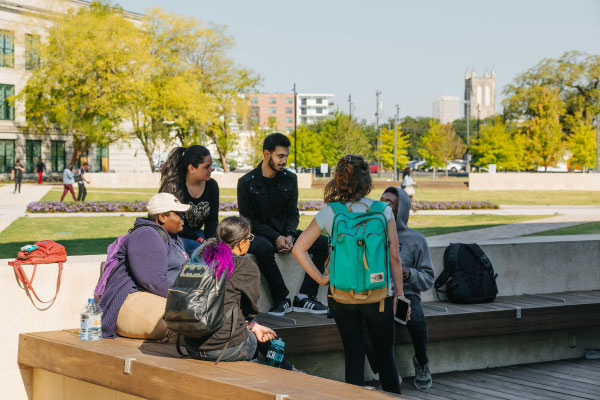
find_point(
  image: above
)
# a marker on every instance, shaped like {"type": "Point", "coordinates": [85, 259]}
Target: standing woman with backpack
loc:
{"type": "Point", "coordinates": [225, 255]}
{"type": "Point", "coordinates": [186, 175]}
{"type": "Point", "coordinates": [350, 186]}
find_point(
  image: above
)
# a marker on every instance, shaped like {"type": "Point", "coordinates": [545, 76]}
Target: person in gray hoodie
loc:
{"type": "Point", "coordinates": [417, 270]}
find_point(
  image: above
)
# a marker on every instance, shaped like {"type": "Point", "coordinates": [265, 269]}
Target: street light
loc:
{"type": "Point", "coordinates": [477, 120]}
{"type": "Point", "coordinates": [295, 133]}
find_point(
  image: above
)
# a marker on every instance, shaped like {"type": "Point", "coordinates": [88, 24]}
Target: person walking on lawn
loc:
{"type": "Point", "coordinates": [17, 175]}
{"type": "Point", "coordinates": [40, 167]}
{"type": "Point", "coordinates": [268, 197]}
{"type": "Point", "coordinates": [81, 181]}
{"type": "Point", "coordinates": [68, 181]}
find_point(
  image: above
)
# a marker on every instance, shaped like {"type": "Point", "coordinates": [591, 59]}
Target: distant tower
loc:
{"type": "Point", "coordinates": [482, 93]}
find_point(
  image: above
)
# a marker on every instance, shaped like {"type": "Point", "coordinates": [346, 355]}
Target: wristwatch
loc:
{"type": "Point", "coordinates": [251, 325]}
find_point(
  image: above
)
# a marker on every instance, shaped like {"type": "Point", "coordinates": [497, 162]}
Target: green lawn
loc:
{"type": "Point", "coordinates": [496, 197]}
{"type": "Point", "coordinates": [589, 228]}
{"type": "Point", "coordinates": [92, 235]}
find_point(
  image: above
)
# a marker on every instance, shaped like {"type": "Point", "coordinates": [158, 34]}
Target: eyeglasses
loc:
{"type": "Point", "coordinates": [250, 238]}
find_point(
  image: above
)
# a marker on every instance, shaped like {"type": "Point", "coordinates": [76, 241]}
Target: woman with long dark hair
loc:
{"type": "Point", "coordinates": [350, 186]}
{"type": "Point", "coordinates": [186, 175]}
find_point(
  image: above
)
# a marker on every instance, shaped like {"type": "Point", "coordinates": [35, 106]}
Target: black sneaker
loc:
{"type": "Point", "coordinates": [282, 308]}
{"type": "Point", "coordinates": [309, 305]}
{"type": "Point", "coordinates": [423, 379]}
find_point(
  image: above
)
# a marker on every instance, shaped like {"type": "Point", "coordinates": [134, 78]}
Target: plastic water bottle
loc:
{"type": "Point", "coordinates": [274, 355]}
{"type": "Point", "coordinates": [91, 321]}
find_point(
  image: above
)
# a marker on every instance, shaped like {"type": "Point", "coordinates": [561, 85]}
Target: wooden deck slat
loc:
{"type": "Point", "coordinates": [552, 382]}
{"type": "Point", "coordinates": [484, 390]}
{"type": "Point", "coordinates": [560, 375]}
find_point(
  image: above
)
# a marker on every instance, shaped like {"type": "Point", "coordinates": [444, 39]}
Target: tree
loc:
{"type": "Point", "coordinates": [575, 76]}
{"type": "Point", "coordinates": [387, 148]}
{"type": "Point", "coordinates": [415, 128]}
{"type": "Point", "coordinates": [92, 59]}
{"type": "Point", "coordinates": [310, 147]}
{"type": "Point", "coordinates": [340, 136]}
{"type": "Point", "coordinates": [440, 145]}
{"type": "Point", "coordinates": [495, 146]}
{"type": "Point", "coordinates": [582, 143]}
{"type": "Point", "coordinates": [544, 133]}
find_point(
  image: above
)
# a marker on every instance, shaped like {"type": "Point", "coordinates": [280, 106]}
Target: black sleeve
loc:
{"type": "Point", "coordinates": [245, 210]}
{"type": "Point", "coordinates": [210, 225]}
{"type": "Point", "coordinates": [292, 217]}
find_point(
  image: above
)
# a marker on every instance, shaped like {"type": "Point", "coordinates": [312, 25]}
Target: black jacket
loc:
{"type": "Point", "coordinates": [272, 209]}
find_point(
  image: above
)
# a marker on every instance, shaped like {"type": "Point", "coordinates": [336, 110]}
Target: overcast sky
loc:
{"type": "Point", "coordinates": [412, 51]}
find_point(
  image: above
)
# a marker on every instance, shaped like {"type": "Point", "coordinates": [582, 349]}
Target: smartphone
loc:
{"type": "Point", "coordinates": [402, 310]}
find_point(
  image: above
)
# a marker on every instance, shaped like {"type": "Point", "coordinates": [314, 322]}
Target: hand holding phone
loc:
{"type": "Point", "coordinates": [402, 310]}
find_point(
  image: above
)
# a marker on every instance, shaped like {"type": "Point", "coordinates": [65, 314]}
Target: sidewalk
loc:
{"type": "Point", "coordinates": [13, 205]}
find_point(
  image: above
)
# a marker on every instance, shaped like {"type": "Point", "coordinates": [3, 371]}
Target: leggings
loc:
{"type": "Point", "coordinates": [349, 319]}
{"type": "Point", "coordinates": [68, 188]}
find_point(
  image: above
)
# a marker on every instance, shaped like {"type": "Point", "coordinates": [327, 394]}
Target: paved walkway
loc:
{"type": "Point", "coordinates": [13, 205]}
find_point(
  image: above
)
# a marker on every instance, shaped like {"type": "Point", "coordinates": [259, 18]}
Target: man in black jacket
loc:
{"type": "Point", "coordinates": [268, 197]}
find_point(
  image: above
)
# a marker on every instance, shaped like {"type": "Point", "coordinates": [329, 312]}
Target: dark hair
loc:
{"type": "Point", "coordinates": [405, 172]}
{"type": "Point", "coordinates": [84, 164]}
{"type": "Point", "coordinates": [351, 180]}
{"type": "Point", "coordinates": [172, 177]}
{"type": "Point", "coordinates": [216, 252]}
{"type": "Point", "coordinates": [154, 217]}
{"type": "Point", "coordinates": [274, 140]}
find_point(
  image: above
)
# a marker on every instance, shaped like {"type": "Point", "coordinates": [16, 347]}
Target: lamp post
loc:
{"type": "Point", "coordinates": [396, 143]}
{"type": "Point", "coordinates": [295, 132]}
{"type": "Point", "coordinates": [377, 94]}
{"type": "Point", "coordinates": [477, 120]}
{"type": "Point", "coordinates": [598, 142]}
{"type": "Point", "coordinates": [350, 106]}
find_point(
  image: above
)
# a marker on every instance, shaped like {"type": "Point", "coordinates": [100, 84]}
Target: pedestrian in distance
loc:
{"type": "Point", "coordinates": [268, 197]}
{"type": "Point", "coordinates": [17, 175]}
{"type": "Point", "coordinates": [68, 181]}
{"type": "Point", "coordinates": [408, 185]}
{"type": "Point", "coordinates": [348, 190]}
{"type": "Point", "coordinates": [186, 175]}
{"type": "Point", "coordinates": [40, 167]}
{"type": "Point", "coordinates": [81, 181]}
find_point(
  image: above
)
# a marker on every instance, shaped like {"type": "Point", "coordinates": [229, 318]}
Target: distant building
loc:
{"type": "Point", "coordinates": [313, 107]}
{"type": "Point", "coordinates": [446, 109]}
{"type": "Point", "coordinates": [482, 94]}
{"type": "Point", "coordinates": [278, 108]}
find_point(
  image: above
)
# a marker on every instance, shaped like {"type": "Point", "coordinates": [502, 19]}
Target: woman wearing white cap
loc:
{"type": "Point", "coordinates": [150, 258]}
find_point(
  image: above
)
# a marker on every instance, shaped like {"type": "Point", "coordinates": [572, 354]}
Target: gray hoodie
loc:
{"type": "Point", "coordinates": [414, 251]}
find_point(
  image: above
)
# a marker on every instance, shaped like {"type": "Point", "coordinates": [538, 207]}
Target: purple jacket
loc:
{"type": "Point", "coordinates": [143, 260]}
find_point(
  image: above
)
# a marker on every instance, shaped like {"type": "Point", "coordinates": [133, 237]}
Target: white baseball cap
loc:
{"type": "Point", "coordinates": [165, 202]}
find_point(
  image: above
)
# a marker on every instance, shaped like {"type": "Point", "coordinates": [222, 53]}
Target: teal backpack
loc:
{"type": "Point", "coordinates": [359, 260]}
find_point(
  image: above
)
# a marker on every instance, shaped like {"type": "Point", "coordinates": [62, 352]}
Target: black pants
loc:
{"type": "Point", "coordinates": [265, 250]}
{"type": "Point", "coordinates": [18, 185]}
{"type": "Point", "coordinates": [417, 329]}
{"type": "Point", "coordinates": [349, 319]}
{"type": "Point", "coordinates": [82, 192]}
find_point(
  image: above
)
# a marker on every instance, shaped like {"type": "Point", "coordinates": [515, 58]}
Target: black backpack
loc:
{"type": "Point", "coordinates": [468, 275]}
{"type": "Point", "coordinates": [196, 302]}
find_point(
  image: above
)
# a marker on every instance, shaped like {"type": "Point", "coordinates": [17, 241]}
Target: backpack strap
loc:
{"type": "Point", "coordinates": [158, 229]}
{"type": "Point", "coordinates": [233, 312]}
{"type": "Point", "coordinates": [28, 282]}
{"type": "Point", "coordinates": [483, 258]}
{"type": "Point", "coordinates": [450, 264]}
{"type": "Point", "coordinates": [379, 206]}
{"type": "Point", "coordinates": [338, 207]}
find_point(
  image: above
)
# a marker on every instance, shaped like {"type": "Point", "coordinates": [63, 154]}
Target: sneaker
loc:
{"type": "Point", "coordinates": [423, 379]}
{"type": "Point", "coordinates": [309, 305]}
{"type": "Point", "coordinates": [282, 308]}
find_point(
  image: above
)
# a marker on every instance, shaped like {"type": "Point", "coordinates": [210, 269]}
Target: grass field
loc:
{"type": "Point", "coordinates": [590, 228]}
{"type": "Point", "coordinates": [92, 235]}
{"type": "Point", "coordinates": [497, 197]}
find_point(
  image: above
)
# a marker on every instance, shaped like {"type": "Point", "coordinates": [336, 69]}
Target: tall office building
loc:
{"type": "Point", "coordinates": [481, 92]}
{"type": "Point", "coordinates": [446, 109]}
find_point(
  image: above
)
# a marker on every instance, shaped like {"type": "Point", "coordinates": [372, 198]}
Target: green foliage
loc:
{"type": "Point", "coordinates": [309, 151]}
{"type": "Point", "coordinates": [544, 133]}
{"type": "Point", "coordinates": [575, 76]}
{"type": "Point", "coordinates": [415, 128]}
{"type": "Point", "coordinates": [582, 142]}
{"type": "Point", "coordinates": [495, 146]}
{"type": "Point", "coordinates": [92, 59]}
{"type": "Point", "coordinates": [340, 136]}
{"type": "Point", "coordinates": [440, 145]}
{"type": "Point", "coordinates": [387, 148]}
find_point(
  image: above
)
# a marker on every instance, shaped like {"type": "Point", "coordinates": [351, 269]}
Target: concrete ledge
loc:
{"type": "Point", "coordinates": [534, 181]}
{"type": "Point", "coordinates": [152, 179]}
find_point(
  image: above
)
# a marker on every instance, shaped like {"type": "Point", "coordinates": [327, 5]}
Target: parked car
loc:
{"type": "Point", "coordinates": [416, 164]}
{"type": "Point", "coordinates": [217, 169]}
{"type": "Point", "coordinates": [456, 165]}
{"type": "Point", "coordinates": [373, 167]}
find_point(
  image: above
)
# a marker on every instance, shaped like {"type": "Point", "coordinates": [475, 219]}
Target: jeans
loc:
{"type": "Point", "coordinates": [246, 351]}
{"type": "Point", "coordinates": [68, 188]}
{"type": "Point", "coordinates": [191, 245]}
{"type": "Point", "coordinates": [18, 185]}
{"type": "Point", "coordinates": [264, 250]}
{"type": "Point", "coordinates": [82, 192]}
{"type": "Point", "coordinates": [417, 328]}
{"type": "Point", "coordinates": [349, 319]}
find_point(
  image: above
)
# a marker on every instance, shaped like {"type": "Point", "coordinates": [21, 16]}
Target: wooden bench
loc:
{"type": "Point", "coordinates": [62, 367]}
{"type": "Point", "coordinates": [307, 333]}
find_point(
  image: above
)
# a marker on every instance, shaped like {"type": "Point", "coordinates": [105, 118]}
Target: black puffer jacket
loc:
{"type": "Point", "coordinates": [271, 208]}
